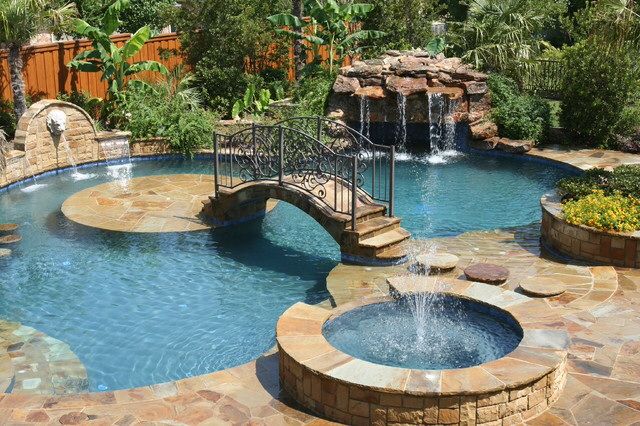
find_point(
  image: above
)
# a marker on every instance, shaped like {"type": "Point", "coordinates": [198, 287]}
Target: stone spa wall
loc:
{"type": "Point", "coordinates": [36, 149]}
{"type": "Point", "coordinates": [396, 89]}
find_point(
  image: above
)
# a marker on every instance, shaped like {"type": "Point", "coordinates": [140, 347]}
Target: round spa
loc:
{"type": "Point", "coordinates": [463, 353]}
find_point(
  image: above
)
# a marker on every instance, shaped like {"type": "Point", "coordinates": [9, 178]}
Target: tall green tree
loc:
{"type": "Point", "coordinates": [115, 63]}
{"type": "Point", "coordinates": [299, 55]}
{"type": "Point", "coordinates": [407, 23]}
{"type": "Point", "coordinates": [153, 13]}
{"type": "Point", "coordinates": [331, 24]}
{"type": "Point", "coordinates": [221, 39]}
{"type": "Point", "coordinates": [20, 21]}
{"type": "Point", "coordinates": [499, 35]}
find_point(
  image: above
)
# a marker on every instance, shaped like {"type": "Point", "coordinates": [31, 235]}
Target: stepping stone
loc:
{"type": "Point", "coordinates": [437, 262]}
{"type": "Point", "coordinates": [10, 239]}
{"type": "Point", "coordinates": [542, 287]}
{"type": "Point", "coordinates": [8, 227]}
{"type": "Point", "coordinates": [487, 273]}
{"type": "Point", "coordinates": [5, 252]}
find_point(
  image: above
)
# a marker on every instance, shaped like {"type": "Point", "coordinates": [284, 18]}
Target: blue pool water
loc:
{"type": "Point", "coordinates": [452, 333]}
{"type": "Point", "coordinates": [146, 308]}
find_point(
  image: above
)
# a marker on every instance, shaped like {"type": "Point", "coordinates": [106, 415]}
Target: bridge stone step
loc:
{"type": "Point", "coordinates": [367, 212]}
{"type": "Point", "coordinates": [390, 238]}
{"type": "Point", "coordinates": [394, 253]}
{"type": "Point", "coordinates": [376, 226]}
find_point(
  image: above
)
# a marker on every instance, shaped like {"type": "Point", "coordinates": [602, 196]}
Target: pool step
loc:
{"type": "Point", "coordinates": [387, 239]}
{"type": "Point", "coordinates": [367, 212]}
{"type": "Point", "coordinates": [374, 226]}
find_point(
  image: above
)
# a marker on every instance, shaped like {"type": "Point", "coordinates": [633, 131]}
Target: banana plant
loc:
{"type": "Point", "coordinates": [329, 24]}
{"type": "Point", "coordinates": [254, 102]}
{"type": "Point", "coordinates": [107, 58]}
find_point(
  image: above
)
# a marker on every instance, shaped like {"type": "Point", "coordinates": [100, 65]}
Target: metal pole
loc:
{"type": "Point", "coordinates": [255, 152]}
{"type": "Point", "coordinates": [216, 179]}
{"type": "Point", "coordinates": [354, 191]}
{"type": "Point", "coordinates": [392, 179]}
{"type": "Point", "coordinates": [281, 156]}
{"type": "Point", "coordinates": [319, 129]}
{"type": "Point", "coordinates": [373, 174]}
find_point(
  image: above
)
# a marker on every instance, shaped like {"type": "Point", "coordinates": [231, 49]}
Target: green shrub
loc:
{"type": "Point", "coordinates": [407, 24]}
{"type": "Point", "coordinates": [597, 90]}
{"type": "Point", "coordinates": [171, 110]}
{"type": "Point", "coordinates": [580, 186]}
{"type": "Point", "coordinates": [312, 92]}
{"type": "Point", "coordinates": [219, 38]}
{"type": "Point", "coordinates": [624, 180]}
{"type": "Point", "coordinates": [8, 120]}
{"type": "Point", "coordinates": [518, 116]}
{"type": "Point", "coordinates": [615, 212]}
{"type": "Point", "coordinates": [84, 100]}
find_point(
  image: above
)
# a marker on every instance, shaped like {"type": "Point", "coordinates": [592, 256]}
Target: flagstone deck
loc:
{"type": "Point", "coordinates": [168, 203]}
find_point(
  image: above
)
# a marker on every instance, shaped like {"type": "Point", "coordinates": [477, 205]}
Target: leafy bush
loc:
{"type": "Point", "coordinates": [407, 24]}
{"type": "Point", "coordinates": [518, 116]}
{"type": "Point", "coordinates": [8, 120]}
{"type": "Point", "coordinates": [624, 180]}
{"type": "Point", "coordinates": [585, 184]}
{"type": "Point", "coordinates": [219, 38]}
{"type": "Point", "coordinates": [168, 109]}
{"type": "Point", "coordinates": [597, 89]}
{"type": "Point", "coordinates": [84, 100]}
{"type": "Point", "coordinates": [312, 92]}
{"type": "Point", "coordinates": [614, 212]}
{"type": "Point", "coordinates": [154, 13]}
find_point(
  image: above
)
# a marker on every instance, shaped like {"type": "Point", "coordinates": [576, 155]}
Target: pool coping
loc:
{"type": "Point", "coordinates": [526, 380]}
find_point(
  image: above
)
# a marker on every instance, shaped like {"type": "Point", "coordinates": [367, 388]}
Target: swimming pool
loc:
{"type": "Point", "coordinates": [139, 309]}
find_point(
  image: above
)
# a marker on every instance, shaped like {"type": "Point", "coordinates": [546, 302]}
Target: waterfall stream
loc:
{"type": "Point", "coordinates": [72, 161]}
{"type": "Point", "coordinates": [401, 125]}
{"type": "Point", "coordinates": [365, 116]}
{"type": "Point", "coordinates": [442, 128]}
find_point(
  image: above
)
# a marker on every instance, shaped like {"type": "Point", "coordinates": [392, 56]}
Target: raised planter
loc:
{"type": "Point", "coordinates": [586, 243]}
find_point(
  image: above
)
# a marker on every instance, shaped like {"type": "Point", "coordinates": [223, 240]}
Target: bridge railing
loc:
{"type": "Point", "coordinates": [335, 174]}
{"type": "Point", "coordinates": [375, 163]}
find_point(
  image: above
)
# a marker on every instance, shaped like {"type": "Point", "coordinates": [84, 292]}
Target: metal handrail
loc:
{"type": "Point", "coordinates": [296, 158]}
{"type": "Point", "coordinates": [340, 137]}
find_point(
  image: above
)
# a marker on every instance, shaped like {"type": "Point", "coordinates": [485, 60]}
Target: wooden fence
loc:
{"type": "Point", "coordinates": [46, 73]}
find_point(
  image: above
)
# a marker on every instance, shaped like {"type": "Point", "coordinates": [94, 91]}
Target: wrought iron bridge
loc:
{"type": "Point", "coordinates": [345, 180]}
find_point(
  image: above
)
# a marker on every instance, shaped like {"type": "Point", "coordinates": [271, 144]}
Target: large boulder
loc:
{"type": "Point", "coordinates": [371, 92]}
{"type": "Point", "coordinates": [485, 144]}
{"type": "Point", "coordinates": [407, 85]}
{"type": "Point", "coordinates": [346, 85]}
{"type": "Point", "coordinates": [514, 146]}
{"type": "Point", "coordinates": [484, 129]}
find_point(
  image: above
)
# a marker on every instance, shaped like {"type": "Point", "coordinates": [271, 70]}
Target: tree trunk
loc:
{"type": "Point", "coordinates": [16, 65]}
{"type": "Point", "coordinates": [298, 51]}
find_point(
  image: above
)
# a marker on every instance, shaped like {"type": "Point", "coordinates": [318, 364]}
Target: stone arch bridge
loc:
{"type": "Point", "coordinates": [325, 168]}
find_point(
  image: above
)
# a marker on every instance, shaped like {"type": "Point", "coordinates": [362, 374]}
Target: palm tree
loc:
{"type": "Point", "coordinates": [297, 10]}
{"type": "Point", "coordinates": [20, 21]}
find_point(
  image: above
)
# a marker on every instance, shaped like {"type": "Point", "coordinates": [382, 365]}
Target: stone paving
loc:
{"type": "Point", "coordinates": [33, 363]}
{"type": "Point", "coordinates": [584, 159]}
{"type": "Point", "coordinates": [147, 204]}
